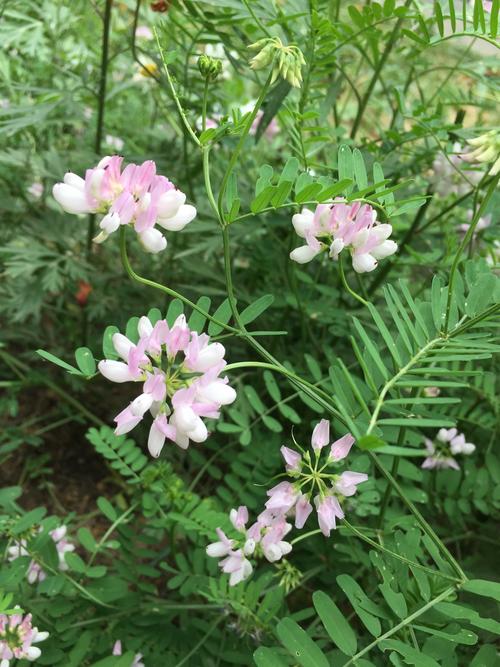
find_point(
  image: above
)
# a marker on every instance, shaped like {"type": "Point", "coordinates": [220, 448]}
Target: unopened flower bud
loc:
{"type": "Point", "coordinates": [209, 67]}
{"type": "Point", "coordinates": [287, 60]}
{"type": "Point", "coordinates": [264, 57]}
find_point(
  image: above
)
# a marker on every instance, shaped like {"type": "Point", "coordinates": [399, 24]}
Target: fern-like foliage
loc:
{"type": "Point", "coordinates": [123, 454]}
{"type": "Point", "coordinates": [412, 351]}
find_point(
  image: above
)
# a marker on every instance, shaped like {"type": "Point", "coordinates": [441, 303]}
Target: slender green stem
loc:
{"type": "Point", "coordinates": [239, 145]}
{"type": "Point", "coordinates": [399, 626]}
{"type": "Point", "coordinates": [382, 274]}
{"type": "Point", "coordinates": [387, 494]}
{"type": "Point", "coordinates": [390, 383]}
{"type": "Point", "coordinates": [174, 93]}
{"type": "Point", "coordinates": [257, 19]}
{"type": "Point", "coordinates": [393, 554]}
{"type": "Point", "coordinates": [197, 646]}
{"type": "Point", "coordinates": [208, 184]}
{"type": "Point", "coordinates": [420, 519]}
{"type": "Point", "coordinates": [349, 289]}
{"type": "Point", "coordinates": [304, 536]}
{"type": "Point", "coordinates": [101, 106]}
{"type": "Point", "coordinates": [163, 288]}
{"type": "Point", "coordinates": [475, 320]}
{"type": "Point", "coordinates": [204, 106]}
{"type": "Point", "coordinates": [480, 211]}
{"type": "Point", "coordinates": [110, 530]}
{"type": "Point", "coordinates": [376, 74]}
{"type": "Point", "coordinates": [278, 368]}
{"type": "Point", "coordinates": [485, 38]}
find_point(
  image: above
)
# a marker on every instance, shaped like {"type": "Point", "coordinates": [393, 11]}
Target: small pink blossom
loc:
{"type": "Point", "coordinates": [239, 517]}
{"type": "Point", "coordinates": [17, 636]}
{"type": "Point", "coordinates": [329, 510]}
{"type": "Point", "coordinates": [303, 509]}
{"type": "Point", "coordinates": [321, 435]}
{"type": "Point", "coordinates": [348, 481]}
{"type": "Point", "coordinates": [237, 566]}
{"type": "Point", "coordinates": [341, 447]}
{"type": "Point", "coordinates": [292, 459]}
{"type": "Point", "coordinates": [282, 497]}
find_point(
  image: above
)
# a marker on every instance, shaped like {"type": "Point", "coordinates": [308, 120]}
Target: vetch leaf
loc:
{"type": "Point", "coordinates": [252, 312]}
{"type": "Point", "coordinates": [335, 623]}
{"type": "Point", "coordinates": [85, 360]}
{"type": "Point", "coordinates": [175, 308]}
{"type": "Point", "coordinates": [483, 587]}
{"type": "Point", "coordinates": [267, 657]}
{"type": "Point", "coordinates": [197, 320]}
{"type": "Point", "coordinates": [223, 314]}
{"type": "Point", "coordinates": [59, 362]}
{"type": "Point", "coordinates": [108, 349]}
{"type": "Point", "coordinates": [305, 652]}
{"type": "Point", "coordinates": [359, 169]}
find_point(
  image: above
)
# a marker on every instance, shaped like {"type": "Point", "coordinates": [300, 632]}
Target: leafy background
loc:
{"type": "Point", "coordinates": [387, 88]}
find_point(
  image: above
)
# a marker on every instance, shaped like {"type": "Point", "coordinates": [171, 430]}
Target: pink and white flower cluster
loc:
{"type": "Point", "coordinates": [309, 473]}
{"type": "Point", "coordinates": [17, 636]}
{"type": "Point", "coordinates": [181, 375]}
{"type": "Point", "coordinates": [447, 444]}
{"type": "Point", "coordinates": [266, 536]}
{"type": "Point", "coordinates": [136, 196]}
{"type": "Point", "coordinates": [341, 226]}
{"type": "Point", "coordinates": [35, 571]}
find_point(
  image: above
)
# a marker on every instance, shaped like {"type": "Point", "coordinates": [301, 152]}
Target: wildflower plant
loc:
{"type": "Point", "coordinates": [177, 391]}
{"type": "Point", "coordinates": [319, 501]}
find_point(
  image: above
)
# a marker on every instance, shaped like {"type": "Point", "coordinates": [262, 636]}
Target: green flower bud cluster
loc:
{"type": "Point", "coordinates": [289, 576]}
{"type": "Point", "coordinates": [287, 61]}
{"type": "Point", "coordinates": [209, 67]}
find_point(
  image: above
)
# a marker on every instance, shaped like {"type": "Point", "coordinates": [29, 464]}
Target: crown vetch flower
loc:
{"type": "Point", "coordinates": [35, 571]}
{"type": "Point", "coordinates": [136, 196]}
{"type": "Point", "coordinates": [446, 444]}
{"type": "Point", "coordinates": [17, 636]}
{"type": "Point", "coordinates": [181, 375]}
{"type": "Point", "coordinates": [339, 226]}
{"type": "Point", "coordinates": [309, 473]}
{"type": "Point", "coordinates": [263, 538]}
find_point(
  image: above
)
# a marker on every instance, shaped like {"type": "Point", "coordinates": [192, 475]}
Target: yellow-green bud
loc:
{"type": "Point", "coordinates": [209, 67]}
{"type": "Point", "coordinates": [287, 60]}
